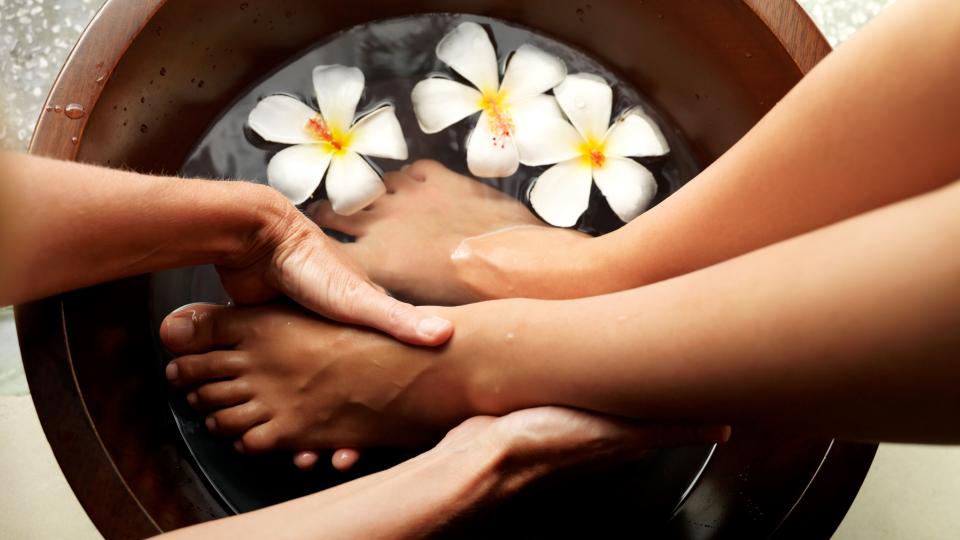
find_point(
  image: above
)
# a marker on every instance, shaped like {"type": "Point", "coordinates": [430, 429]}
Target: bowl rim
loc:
{"type": "Point", "coordinates": [41, 325]}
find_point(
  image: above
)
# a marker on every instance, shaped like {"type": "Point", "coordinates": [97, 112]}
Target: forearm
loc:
{"type": "Point", "coordinates": [73, 225]}
{"type": "Point", "coordinates": [410, 500]}
{"type": "Point", "coordinates": [873, 123]}
{"type": "Point", "coordinates": [850, 330]}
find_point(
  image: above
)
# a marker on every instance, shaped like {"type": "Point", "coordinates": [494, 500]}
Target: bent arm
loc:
{"type": "Point", "coordinates": [69, 225]}
{"type": "Point", "coordinates": [851, 330]}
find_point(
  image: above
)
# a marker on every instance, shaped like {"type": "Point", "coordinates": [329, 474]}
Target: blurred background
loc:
{"type": "Point", "coordinates": [909, 492]}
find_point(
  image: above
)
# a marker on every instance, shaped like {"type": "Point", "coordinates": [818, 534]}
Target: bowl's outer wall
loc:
{"type": "Point", "coordinates": [153, 75]}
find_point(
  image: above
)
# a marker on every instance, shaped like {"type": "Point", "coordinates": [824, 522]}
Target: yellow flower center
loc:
{"type": "Point", "coordinates": [498, 116]}
{"type": "Point", "coordinates": [335, 140]}
{"type": "Point", "coordinates": [592, 152]}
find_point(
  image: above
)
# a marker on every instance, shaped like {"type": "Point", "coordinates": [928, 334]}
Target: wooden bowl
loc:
{"type": "Point", "coordinates": [151, 76]}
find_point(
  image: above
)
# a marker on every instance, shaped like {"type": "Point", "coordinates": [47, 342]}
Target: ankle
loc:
{"type": "Point", "coordinates": [525, 261]}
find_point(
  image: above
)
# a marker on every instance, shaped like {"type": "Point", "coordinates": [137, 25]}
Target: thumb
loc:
{"type": "Point", "coordinates": [399, 319]}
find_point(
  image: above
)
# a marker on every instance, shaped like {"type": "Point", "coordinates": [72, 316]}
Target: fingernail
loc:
{"type": "Point", "coordinates": [172, 371]}
{"type": "Point", "coordinates": [180, 329]}
{"type": "Point", "coordinates": [211, 423]}
{"type": "Point", "coordinates": [432, 327]}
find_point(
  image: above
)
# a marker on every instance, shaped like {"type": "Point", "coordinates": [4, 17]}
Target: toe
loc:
{"type": "Point", "coordinates": [197, 328]}
{"type": "Point", "coordinates": [218, 395]}
{"type": "Point", "coordinates": [344, 459]}
{"type": "Point", "coordinates": [422, 169]}
{"type": "Point", "coordinates": [324, 216]}
{"type": "Point", "coordinates": [262, 438]}
{"type": "Point", "coordinates": [305, 460]}
{"type": "Point", "coordinates": [197, 369]}
{"type": "Point", "coordinates": [237, 419]}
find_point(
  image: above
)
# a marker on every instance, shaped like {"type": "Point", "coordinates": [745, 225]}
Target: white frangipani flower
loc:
{"type": "Point", "coordinates": [496, 146]}
{"type": "Point", "coordinates": [330, 142]}
{"type": "Point", "coordinates": [589, 151]}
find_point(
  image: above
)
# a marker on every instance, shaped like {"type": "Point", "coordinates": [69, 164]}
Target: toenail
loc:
{"type": "Point", "coordinates": [172, 371]}
{"type": "Point", "coordinates": [192, 398]}
{"type": "Point", "coordinates": [180, 329]}
{"type": "Point", "coordinates": [211, 423]}
{"type": "Point", "coordinates": [432, 327]}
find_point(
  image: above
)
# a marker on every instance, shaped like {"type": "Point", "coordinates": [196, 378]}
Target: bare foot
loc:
{"type": "Point", "coordinates": [276, 377]}
{"type": "Point", "coordinates": [415, 241]}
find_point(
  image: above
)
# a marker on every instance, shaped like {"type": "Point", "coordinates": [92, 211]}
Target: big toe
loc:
{"type": "Point", "coordinates": [197, 328]}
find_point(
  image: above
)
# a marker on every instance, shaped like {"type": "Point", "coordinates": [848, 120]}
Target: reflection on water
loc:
{"type": "Point", "coordinates": [395, 55]}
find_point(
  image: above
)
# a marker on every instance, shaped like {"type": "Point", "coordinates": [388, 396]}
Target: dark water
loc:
{"type": "Point", "coordinates": [394, 55]}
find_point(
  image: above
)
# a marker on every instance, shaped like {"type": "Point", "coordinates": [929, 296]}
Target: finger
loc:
{"type": "Point", "coordinates": [305, 460]}
{"type": "Point", "coordinates": [197, 328]}
{"type": "Point", "coordinates": [399, 319]}
{"type": "Point", "coordinates": [344, 458]}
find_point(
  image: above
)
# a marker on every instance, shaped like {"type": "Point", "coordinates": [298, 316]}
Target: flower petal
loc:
{"type": "Point", "coordinates": [468, 50]}
{"type": "Point", "coordinates": [281, 119]}
{"type": "Point", "coordinates": [338, 91]}
{"type": "Point", "coordinates": [531, 71]}
{"type": "Point", "coordinates": [440, 103]}
{"type": "Point", "coordinates": [628, 186]}
{"type": "Point", "coordinates": [635, 134]}
{"type": "Point", "coordinates": [562, 193]}
{"type": "Point", "coordinates": [587, 100]}
{"type": "Point", "coordinates": [297, 171]}
{"type": "Point", "coordinates": [379, 134]}
{"type": "Point", "coordinates": [489, 154]}
{"type": "Point", "coordinates": [543, 135]}
{"type": "Point", "coordinates": [352, 184]}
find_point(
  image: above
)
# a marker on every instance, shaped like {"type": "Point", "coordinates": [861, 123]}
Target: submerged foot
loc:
{"type": "Point", "coordinates": [411, 241]}
{"type": "Point", "coordinates": [268, 377]}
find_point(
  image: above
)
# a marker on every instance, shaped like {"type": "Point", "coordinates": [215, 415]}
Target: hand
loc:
{"type": "Point", "coordinates": [531, 443]}
{"type": "Point", "coordinates": [292, 257]}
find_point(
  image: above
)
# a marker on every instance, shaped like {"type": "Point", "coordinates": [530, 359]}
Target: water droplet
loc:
{"type": "Point", "coordinates": [244, 6]}
{"type": "Point", "coordinates": [74, 111]}
{"type": "Point", "coordinates": [580, 103]}
{"type": "Point", "coordinates": [143, 128]}
{"type": "Point", "coordinates": [748, 54]}
{"type": "Point", "coordinates": [48, 108]}
{"type": "Point", "coordinates": [100, 79]}
{"type": "Point", "coordinates": [163, 72]}
{"type": "Point", "coordinates": [74, 139]}
{"type": "Point", "coordinates": [200, 84]}
{"type": "Point", "coordinates": [57, 109]}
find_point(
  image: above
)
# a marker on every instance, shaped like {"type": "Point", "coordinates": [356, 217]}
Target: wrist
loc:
{"type": "Point", "coordinates": [263, 217]}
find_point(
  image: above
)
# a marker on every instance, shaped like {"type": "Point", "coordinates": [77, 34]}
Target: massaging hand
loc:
{"type": "Point", "coordinates": [531, 443]}
{"type": "Point", "coordinates": [294, 258]}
